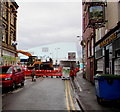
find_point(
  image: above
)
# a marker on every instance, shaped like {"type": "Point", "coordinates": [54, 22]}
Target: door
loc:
{"type": "Point", "coordinates": [107, 61]}
{"type": "Point", "coordinates": [92, 70]}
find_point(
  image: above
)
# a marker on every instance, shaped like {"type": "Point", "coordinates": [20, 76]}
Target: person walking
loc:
{"type": "Point", "coordinates": [33, 75]}
{"type": "Point", "coordinates": [72, 72]}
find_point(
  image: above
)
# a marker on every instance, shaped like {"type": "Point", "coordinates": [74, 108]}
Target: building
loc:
{"type": "Point", "coordinates": [107, 52]}
{"type": "Point", "coordinates": [87, 45]}
{"type": "Point", "coordinates": [8, 31]}
{"type": "Point", "coordinates": [57, 51]}
{"type": "Point", "coordinates": [107, 45]}
{"type": "Point", "coordinates": [101, 39]}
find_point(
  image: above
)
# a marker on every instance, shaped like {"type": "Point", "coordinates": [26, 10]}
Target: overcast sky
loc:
{"type": "Point", "coordinates": [41, 23]}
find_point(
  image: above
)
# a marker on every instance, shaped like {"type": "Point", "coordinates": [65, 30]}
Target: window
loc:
{"type": "Point", "coordinates": [11, 37]}
{"type": "Point", "coordinates": [117, 66]}
{"type": "Point", "coordinates": [6, 70]}
{"type": "Point", "coordinates": [12, 18]}
{"type": "Point", "coordinates": [88, 48]}
{"type": "Point", "coordinates": [12, 15]}
{"type": "Point", "coordinates": [5, 13]}
{"type": "Point", "coordinates": [4, 34]}
{"type": "Point", "coordinates": [98, 34]}
{"type": "Point", "coordinates": [92, 47]}
{"type": "Point", "coordinates": [15, 69]}
{"type": "Point", "coordinates": [100, 65]}
{"type": "Point", "coordinates": [18, 69]}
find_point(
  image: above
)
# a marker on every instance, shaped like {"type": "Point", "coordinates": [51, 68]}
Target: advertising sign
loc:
{"type": "Point", "coordinates": [71, 55]}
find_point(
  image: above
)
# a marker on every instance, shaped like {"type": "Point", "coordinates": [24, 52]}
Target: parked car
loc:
{"type": "Point", "coordinates": [11, 76]}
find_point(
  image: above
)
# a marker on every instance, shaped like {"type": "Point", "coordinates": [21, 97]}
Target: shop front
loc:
{"type": "Point", "coordinates": [107, 53]}
{"type": "Point", "coordinates": [9, 58]}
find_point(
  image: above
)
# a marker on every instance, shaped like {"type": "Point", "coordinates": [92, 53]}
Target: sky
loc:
{"type": "Point", "coordinates": [41, 22]}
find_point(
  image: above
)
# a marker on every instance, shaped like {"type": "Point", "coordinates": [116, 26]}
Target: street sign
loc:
{"type": "Point", "coordinates": [71, 55]}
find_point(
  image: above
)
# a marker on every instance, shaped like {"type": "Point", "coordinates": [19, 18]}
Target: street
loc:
{"type": "Point", "coordinates": [44, 94]}
{"type": "Point", "coordinates": [60, 55]}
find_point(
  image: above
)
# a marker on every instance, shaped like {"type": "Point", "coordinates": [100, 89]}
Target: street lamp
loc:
{"type": "Point", "coordinates": [51, 55]}
{"type": "Point", "coordinates": [57, 55]}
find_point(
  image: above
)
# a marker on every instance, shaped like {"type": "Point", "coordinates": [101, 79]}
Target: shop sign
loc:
{"type": "Point", "coordinates": [96, 14]}
{"type": "Point", "coordinates": [108, 40]}
{"type": "Point", "coordinates": [9, 58]}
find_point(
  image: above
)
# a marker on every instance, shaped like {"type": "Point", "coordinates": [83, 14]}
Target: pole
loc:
{"type": "Point", "coordinates": [94, 49]}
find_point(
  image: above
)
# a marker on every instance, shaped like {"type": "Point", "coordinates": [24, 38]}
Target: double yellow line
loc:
{"type": "Point", "coordinates": [69, 102]}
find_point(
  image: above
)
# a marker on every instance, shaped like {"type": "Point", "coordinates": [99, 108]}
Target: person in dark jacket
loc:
{"type": "Point", "coordinates": [72, 72]}
{"type": "Point", "coordinates": [33, 74]}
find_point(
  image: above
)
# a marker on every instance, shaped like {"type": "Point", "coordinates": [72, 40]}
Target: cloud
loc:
{"type": "Point", "coordinates": [42, 23]}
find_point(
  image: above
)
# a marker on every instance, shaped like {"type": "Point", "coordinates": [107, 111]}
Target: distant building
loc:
{"type": "Point", "coordinates": [101, 44]}
{"type": "Point", "coordinates": [57, 51]}
{"type": "Point", "coordinates": [8, 31]}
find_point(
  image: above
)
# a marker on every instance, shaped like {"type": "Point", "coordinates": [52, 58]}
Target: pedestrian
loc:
{"type": "Point", "coordinates": [72, 72]}
{"type": "Point", "coordinates": [33, 75]}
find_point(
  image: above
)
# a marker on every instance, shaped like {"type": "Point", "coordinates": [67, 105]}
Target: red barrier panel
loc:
{"type": "Point", "coordinates": [44, 72]}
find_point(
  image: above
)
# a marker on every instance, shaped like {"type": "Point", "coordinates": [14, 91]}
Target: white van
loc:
{"type": "Point", "coordinates": [65, 73]}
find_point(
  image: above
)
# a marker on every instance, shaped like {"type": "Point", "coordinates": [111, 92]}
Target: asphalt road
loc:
{"type": "Point", "coordinates": [44, 94]}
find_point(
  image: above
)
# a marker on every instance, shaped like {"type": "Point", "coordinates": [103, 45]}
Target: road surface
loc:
{"type": "Point", "coordinates": [44, 94]}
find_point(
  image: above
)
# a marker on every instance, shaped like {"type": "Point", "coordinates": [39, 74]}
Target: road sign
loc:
{"type": "Point", "coordinates": [71, 55]}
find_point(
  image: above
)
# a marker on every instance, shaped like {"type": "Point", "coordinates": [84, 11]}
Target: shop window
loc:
{"type": "Point", "coordinates": [100, 64]}
{"type": "Point", "coordinates": [117, 66]}
{"type": "Point", "coordinates": [118, 53]}
{"type": "Point", "coordinates": [99, 53]}
{"type": "Point", "coordinates": [116, 46]}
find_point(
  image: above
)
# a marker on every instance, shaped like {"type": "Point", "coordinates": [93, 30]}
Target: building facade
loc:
{"type": "Point", "coordinates": [8, 26]}
{"type": "Point", "coordinates": [87, 45]}
{"type": "Point", "coordinates": [107, 52]}
{"type": "Point", "coordinates": [107, 45]}
{"type": "Point", "coordinates": [101, 49]}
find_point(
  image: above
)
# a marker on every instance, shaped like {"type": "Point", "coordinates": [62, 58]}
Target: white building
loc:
{"type": "Point", "coordinates": [57, 51]}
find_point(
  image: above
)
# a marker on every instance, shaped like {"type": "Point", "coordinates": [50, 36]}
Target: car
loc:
{"type": "Point", "coordinates": [11, 76]}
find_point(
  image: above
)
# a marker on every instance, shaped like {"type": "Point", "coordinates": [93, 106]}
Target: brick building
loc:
{"type": "Point", "coordinates": [8, 20]}
{"type": "Point", "coordinates": [101, 49]}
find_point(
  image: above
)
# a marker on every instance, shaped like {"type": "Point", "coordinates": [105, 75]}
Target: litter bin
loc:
{"type": "Point", "coordinates": [107, 87]}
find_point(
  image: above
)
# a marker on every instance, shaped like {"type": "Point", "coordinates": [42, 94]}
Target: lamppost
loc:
{"type": "Point", "coordinates": [51, 55]}
{"type": "Point", "coordinates": [57, 55]}
{"type": "Point", "coordinates": [79, 50]}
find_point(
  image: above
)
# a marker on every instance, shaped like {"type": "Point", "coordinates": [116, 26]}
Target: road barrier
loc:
{"type": "Point", "coordinates": [52, 73]}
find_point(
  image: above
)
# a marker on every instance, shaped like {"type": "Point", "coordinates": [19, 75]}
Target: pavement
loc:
{"type": "Point", "coordinates": [86, 96]}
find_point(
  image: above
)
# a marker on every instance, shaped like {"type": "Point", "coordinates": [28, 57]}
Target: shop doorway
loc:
{"type": "Point", "coordinates": [107, 61]}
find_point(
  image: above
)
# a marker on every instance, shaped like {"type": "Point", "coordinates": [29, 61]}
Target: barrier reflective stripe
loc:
{"type": "Point", "coordinates": [44, 72]}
